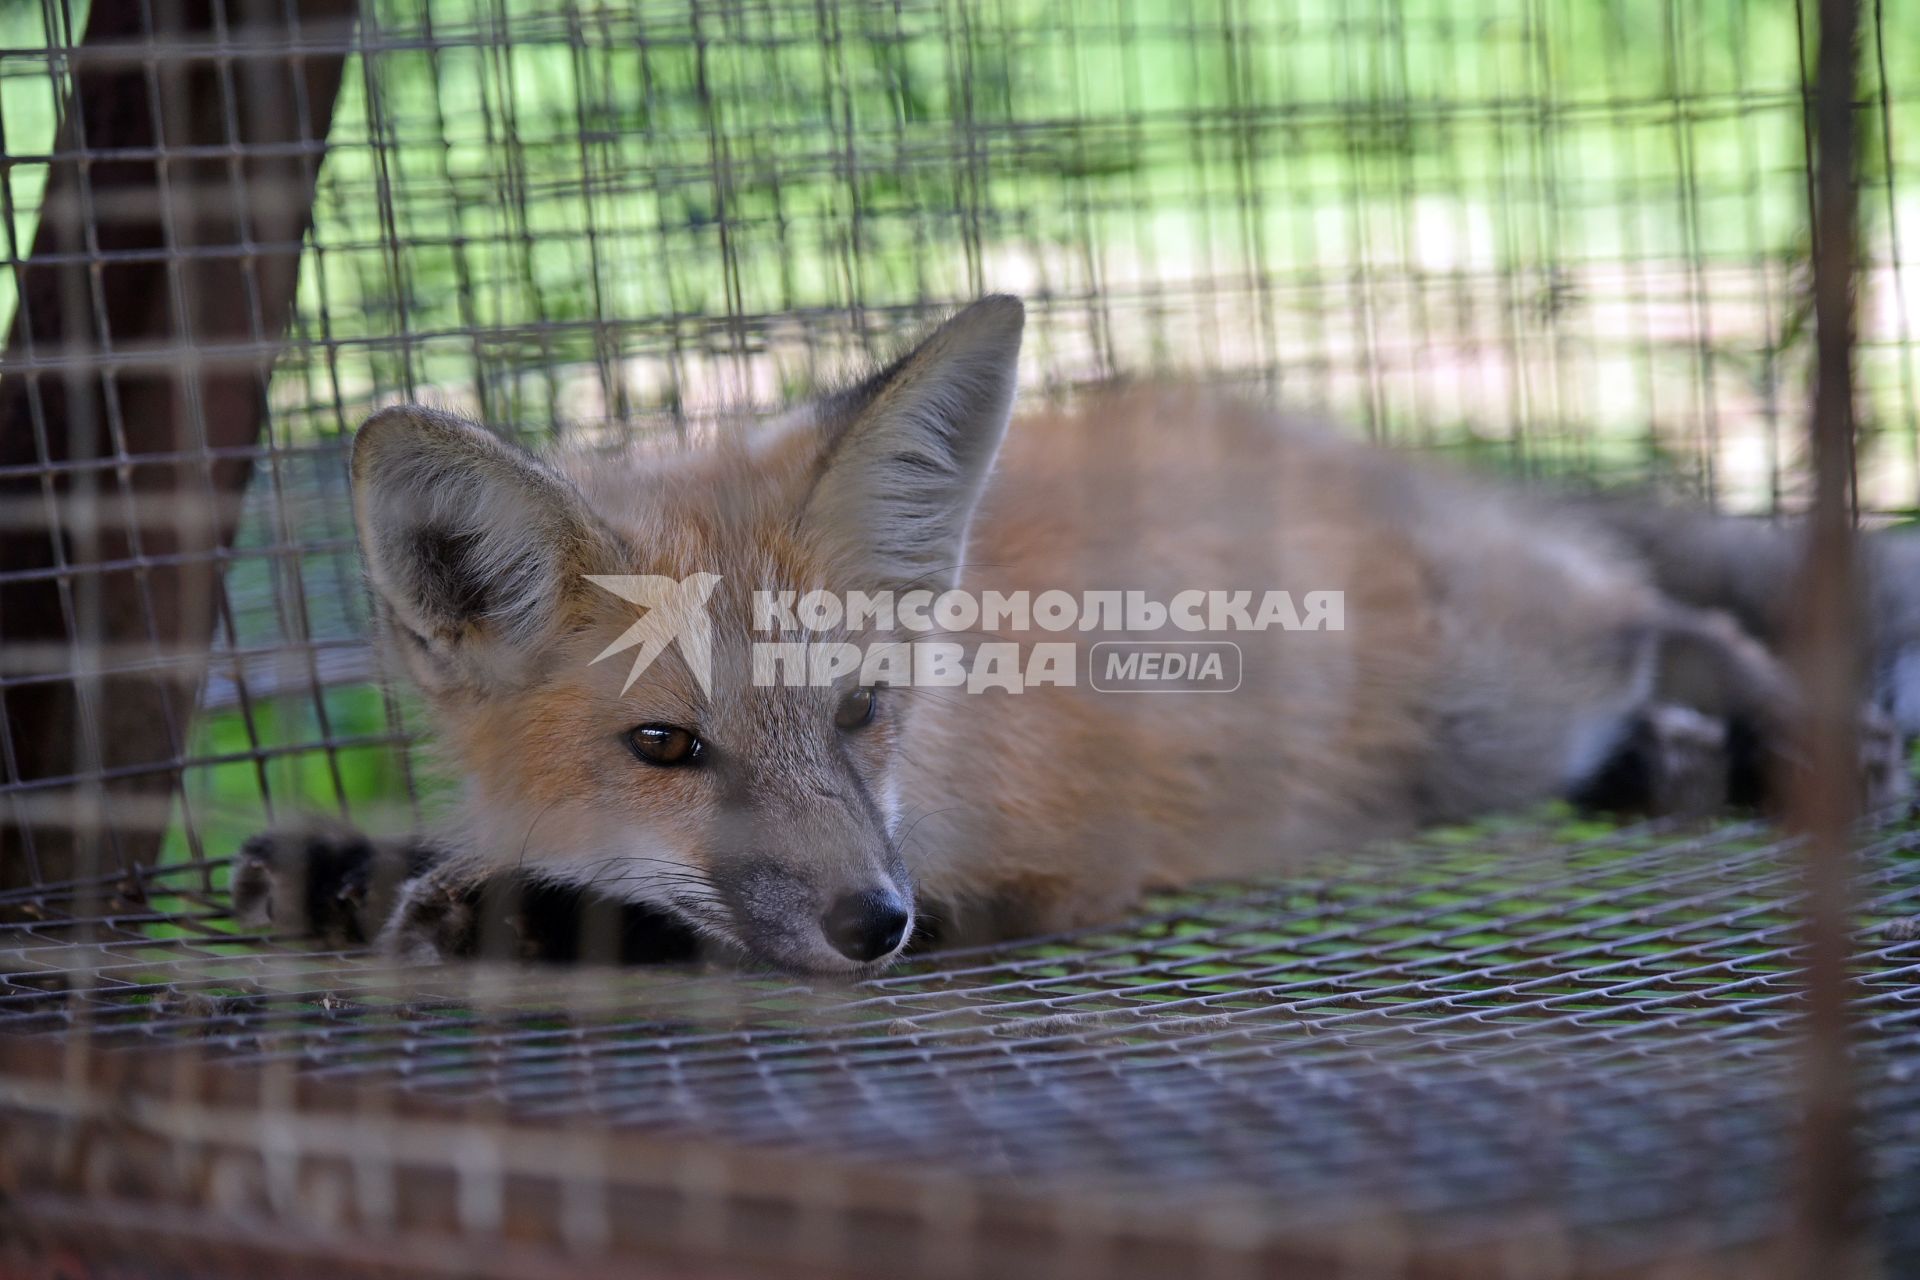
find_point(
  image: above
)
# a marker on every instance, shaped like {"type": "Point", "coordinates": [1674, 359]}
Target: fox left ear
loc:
{"type": "Point", "coordinates": [472, 546]}
{"type": "Point", "coordinates": [908, 451]}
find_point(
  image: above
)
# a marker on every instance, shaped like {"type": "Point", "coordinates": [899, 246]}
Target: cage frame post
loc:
{"type": "Point", "coordinates": [159, 289]}
{"type": "Point", "coordinates": [1830, 1226]}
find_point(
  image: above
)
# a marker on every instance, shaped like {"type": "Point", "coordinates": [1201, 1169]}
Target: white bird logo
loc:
{"type": "Point", "coordinates": [674, 611]}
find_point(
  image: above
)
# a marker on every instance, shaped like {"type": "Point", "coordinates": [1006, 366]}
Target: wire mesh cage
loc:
{"type": "Point", "coordinates": [1565, 239]}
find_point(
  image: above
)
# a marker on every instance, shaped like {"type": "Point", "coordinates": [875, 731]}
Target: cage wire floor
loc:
{"type": "Point", "coordinates": [1540, 1035]}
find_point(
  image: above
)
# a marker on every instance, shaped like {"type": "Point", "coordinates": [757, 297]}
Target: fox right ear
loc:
{"type": "Point", "coordinates": [470, 543]}
{"type": "Point", "coordinates": [907, 452]}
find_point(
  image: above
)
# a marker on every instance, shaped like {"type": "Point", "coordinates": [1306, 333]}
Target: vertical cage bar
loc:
{"type": "Point", "coordinates": [158, 293]}
{"type": "Point", "coordinates": [1831, 1172]}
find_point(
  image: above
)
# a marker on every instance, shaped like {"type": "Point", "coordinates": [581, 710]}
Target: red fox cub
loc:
{"type": "Point", "coordinates": [623, 656]}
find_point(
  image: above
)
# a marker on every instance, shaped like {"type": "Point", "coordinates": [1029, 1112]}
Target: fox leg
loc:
{"type": "Point", "coordinates": [418, 902]}
{"type": "Point", "coordinates": [1720, 727]}
{"type": "Point", "coordinates": [347, 889]}
{"type": "Point", "coordinates": [444, 915]}
{"type": "Point", "coordinates": [1709, 662]}
{"type": "Point", "coordinates": [1671, 759]}
{"type": "Point", "coordinates": [327, 881]}
{"type": "Point", "coordinates": [1714, 664]}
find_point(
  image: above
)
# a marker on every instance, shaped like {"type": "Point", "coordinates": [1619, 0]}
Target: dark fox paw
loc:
{"type": "Point", "coordinates": [312, 881]}
{"type": "Point", "coordinates": [433, 917]}
{"type": "Point", "coordinates": [418, 903]}
{"type": "Point", "coordinates": [1690, 764]}
{"type": "Point", "coordinates": [1672, 761]}
{"type": "Point", "coordinates": [1884, 778]}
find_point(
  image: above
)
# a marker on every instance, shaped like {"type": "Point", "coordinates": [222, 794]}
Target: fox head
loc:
{"type": "Point", "coordinates": [765, 815]}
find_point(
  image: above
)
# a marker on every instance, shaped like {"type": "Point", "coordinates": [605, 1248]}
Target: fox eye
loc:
{"type": "Point", "coordinates": [666, 745]}
{"type": "Point", "coordinates": [855, 710]}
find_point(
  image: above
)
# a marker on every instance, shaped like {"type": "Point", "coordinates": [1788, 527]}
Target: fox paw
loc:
{"type": "Point", "coordinates": [1687, 760]}
{"type": "Point", "coordinates": [1672, 760]}
{"type": "Point", "coordinates": [433, 918]}
{"type": "Point", "coordinates": [311, 881]}
{"type": "Point", "coordinates": [338, 885]}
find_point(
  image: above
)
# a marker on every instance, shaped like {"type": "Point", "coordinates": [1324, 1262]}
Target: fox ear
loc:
{"type": "Point", "coordinates": [908, 451]}
{"type": "Point", "coordinates": [470, 543]}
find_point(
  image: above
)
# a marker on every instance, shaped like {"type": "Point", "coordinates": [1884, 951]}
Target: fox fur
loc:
{"type": "Point", "coordinates": [1499, 648]}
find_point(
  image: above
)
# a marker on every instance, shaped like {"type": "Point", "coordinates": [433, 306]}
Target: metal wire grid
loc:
{"type": "Point", "coordinates": [622, 209]}
{"type": "Point", "coordinates": [1482, 1029]}
{"type": "Point", "coordinates": [1590, 1033]}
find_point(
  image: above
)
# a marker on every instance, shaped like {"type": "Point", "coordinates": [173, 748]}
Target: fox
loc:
{"type": "Point", "coordinates": [1497, 647]}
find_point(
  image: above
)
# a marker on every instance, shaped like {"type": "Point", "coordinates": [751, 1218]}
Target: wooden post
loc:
{"type": "Point", "coordinates": [132, 393]}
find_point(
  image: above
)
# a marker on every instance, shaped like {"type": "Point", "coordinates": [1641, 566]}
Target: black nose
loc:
{"type": "Point", "coordinates": [866, 926]}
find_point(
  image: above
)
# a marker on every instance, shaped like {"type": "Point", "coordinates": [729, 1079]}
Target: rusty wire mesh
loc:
{"type": "Point", "coordinates": [1554, 236]}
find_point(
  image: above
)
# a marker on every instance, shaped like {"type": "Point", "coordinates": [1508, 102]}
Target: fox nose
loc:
{"type": "Point", "coordinates": [866, 926]}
